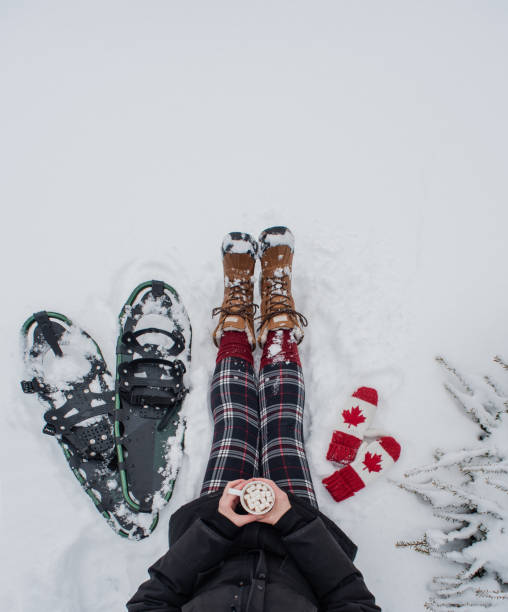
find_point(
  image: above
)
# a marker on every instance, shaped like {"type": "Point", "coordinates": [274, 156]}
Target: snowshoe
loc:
{"type": "Point", "coordinates": [153, 352]}
{"type": "Point", "coordinates": [70, 378]}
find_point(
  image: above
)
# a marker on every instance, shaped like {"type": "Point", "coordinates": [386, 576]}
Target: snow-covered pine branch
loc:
{"type": "Point", "coordinates": [468, 489]}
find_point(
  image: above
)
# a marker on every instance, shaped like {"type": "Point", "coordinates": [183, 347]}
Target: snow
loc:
{"type": "Point", "coordinates": [134, 137]}
{"type": "Point", "coordinates": [276, 345]}
{"type": "Point", "coordinates": [238, 245]}
{"type": "Point", "coordinates": [276, 239]}
{"type": "Point", "coordinates": [73, 366]}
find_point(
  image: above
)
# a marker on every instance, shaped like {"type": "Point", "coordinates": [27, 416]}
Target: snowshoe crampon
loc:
{"type": "Point", "coordinates": [153, 353]}
{"type": "Point", "coordinates": [67, 372]}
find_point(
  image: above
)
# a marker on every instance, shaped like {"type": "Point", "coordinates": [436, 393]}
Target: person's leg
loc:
{"type": "Point", "coordinates": [281, 402]}
{"type": "Point", "coordinates": [233, 394]}
{"type": "Point", "coordinates": [234, 403]}
{"type": "Point", "coordinates": [281, 384]}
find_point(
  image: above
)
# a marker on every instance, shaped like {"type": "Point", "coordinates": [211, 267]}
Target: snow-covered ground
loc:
{"type": "Point", "coordinates": [136, 134]}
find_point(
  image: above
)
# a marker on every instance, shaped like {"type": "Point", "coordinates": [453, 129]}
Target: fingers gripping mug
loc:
{"type": "Point", "coordinates": [256, 497]}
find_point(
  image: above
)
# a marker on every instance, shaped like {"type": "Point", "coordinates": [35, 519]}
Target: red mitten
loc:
{"type": "Point", "coordinates": [354, 420]}
{"type": "Point", "coordinates": [370, 463]}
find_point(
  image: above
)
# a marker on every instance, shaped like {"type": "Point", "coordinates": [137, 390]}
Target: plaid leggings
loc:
{"type": "Point", "coordinates": [258, 438]}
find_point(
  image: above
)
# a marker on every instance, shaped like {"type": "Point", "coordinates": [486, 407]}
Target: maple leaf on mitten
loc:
{"type": "Point", "coordinates": [372, 462]}
{"type": "Point", "coordinates": [353, 417]}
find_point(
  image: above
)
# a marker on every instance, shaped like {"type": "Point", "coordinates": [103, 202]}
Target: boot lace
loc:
{"type": "Point", "coordinates": [279, 301]}
{"type": "Point", "coordinates": [236, 301]}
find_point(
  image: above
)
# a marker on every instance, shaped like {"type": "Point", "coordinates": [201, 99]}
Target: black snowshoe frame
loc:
{"type": "Point", "coordinates": [88, 449]}
{"type": "Point", "coordinates": [149, 394]}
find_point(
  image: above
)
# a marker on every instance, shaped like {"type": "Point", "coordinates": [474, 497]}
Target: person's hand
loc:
{"type": "Point", "coordinates": [228, 503]}
{"type": "Point", "coordinates": [280, 507]}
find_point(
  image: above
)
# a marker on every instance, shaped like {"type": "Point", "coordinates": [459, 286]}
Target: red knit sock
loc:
{"type": "Point", "coordinates": [235, 344]}
{"type": "Point", "coordinates": [280, 347]}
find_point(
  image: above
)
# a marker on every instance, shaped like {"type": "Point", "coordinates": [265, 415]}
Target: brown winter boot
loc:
{"type": "Point", "coordinates": [276, 246]}
{"type": "Point", "coordinates": [239, 253]}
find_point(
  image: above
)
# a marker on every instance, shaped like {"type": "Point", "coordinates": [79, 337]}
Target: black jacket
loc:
{"type": "Point", "coordinates": [303, 564]}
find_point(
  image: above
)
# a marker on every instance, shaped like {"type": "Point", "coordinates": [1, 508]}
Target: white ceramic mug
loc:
{"type": "Point", "coordinates": [250, 489]}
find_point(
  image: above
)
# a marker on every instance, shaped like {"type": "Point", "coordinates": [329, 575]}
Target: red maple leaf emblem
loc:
{"type": "Point", "coordinates": [372, 462]}
{"type": "Point", "coordinates": [353, 417]}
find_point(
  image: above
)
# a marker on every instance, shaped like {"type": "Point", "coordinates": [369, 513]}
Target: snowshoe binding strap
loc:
{"type": "Point", "coordinates": [47, 328]}
{"type": "Point", "coordinates": [80, 421]}
{"type": "Point", "coordinates": [35, 386]}
{"type": "Point", "coordinates": [92, 439]}
{"type": "Point", "coordinates": [142, 386]}
{"type": "Point", "coordinates": [131, 344]}
{"type": "Point", "coordinates": [157, 288]}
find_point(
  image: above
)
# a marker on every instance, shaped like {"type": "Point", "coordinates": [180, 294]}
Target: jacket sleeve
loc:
{"type": "Point", "coordinates": [172, 577]}
{"type": "Point", "coordinates": [338, 585]}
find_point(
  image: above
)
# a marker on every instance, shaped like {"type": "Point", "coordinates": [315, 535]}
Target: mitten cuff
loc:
{"type": "Point", "coordinates": [343, 447]}
{"type": "Point", "coordinates": [343, 483]}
